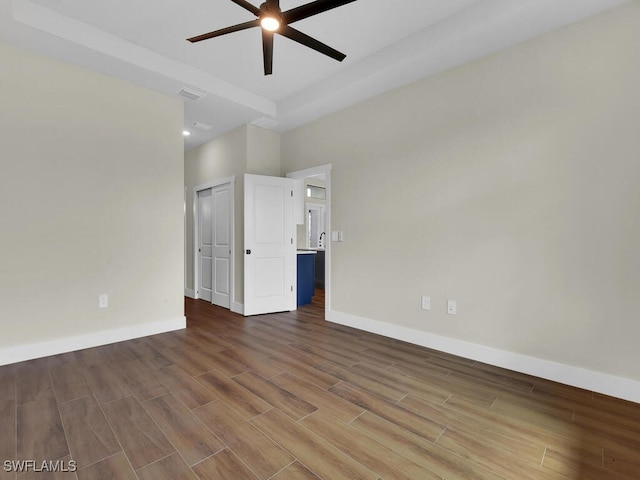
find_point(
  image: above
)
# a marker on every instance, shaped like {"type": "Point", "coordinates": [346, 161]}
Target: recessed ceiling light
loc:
{"type": "Point", "coordinates": [186, 133]}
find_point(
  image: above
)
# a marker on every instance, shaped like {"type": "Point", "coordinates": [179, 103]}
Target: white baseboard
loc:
{"type": "Point", "coordinates": [237, 307]}
{"type": "Point", "coordinates": [190, 293]}
{"type": "Point", "coordinates": [619, 387]}
{"type": "Point", "coordinates": [53, 347]}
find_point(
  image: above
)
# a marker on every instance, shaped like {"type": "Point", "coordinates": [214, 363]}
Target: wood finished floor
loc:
{"type": "Point", "coordinates": [292, 397]}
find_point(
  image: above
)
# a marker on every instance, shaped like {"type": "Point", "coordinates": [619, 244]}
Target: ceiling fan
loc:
{"type": "Point", "coordinates": [273, 20]}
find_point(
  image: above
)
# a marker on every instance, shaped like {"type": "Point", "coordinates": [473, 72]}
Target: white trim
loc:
{"type": "Point", "coordinates": [190, 293]}
{"type": "Point", "coordinates": [237, 307]}
{"type": "Point", "coordinates": [314, 172]}
{"type": "Point", "coordinates": [619, 387]}
{"type": "Point", "coordinates": [195, 240]}
{"type": "Point", "coordinates": [232, 240]}
{"type": "Point", "coordinates": [231, 181]}
{"type": "Point", "coordinates": [53, 347]}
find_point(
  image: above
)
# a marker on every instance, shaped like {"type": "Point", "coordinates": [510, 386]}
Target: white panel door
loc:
{"type": "Point", "coordinates": [221, 248]}
{"type": "Point", "coordinates": [270, 253]}
{"type": "Point", "coordinates": [205, 245]}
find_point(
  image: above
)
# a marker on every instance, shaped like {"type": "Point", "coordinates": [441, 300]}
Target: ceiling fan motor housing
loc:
{"type": "Point", "coordinates": [270, 16]}
{"type": "Point", "coordinates": [271, 10]}
{"type": "Point", "coordinates": [273, 20]}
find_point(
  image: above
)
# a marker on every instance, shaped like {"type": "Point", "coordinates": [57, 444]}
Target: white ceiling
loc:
{"type": "Point", "coordinates": [388, 44]}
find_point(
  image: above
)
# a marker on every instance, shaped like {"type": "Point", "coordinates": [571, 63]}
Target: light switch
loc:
{"type": "Point", "coordinates": [426, 303]}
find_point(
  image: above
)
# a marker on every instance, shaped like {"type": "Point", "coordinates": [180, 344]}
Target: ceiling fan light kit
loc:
{"type": "Point", "coordinates": [272, 20]}
{"type": "Point", "coordinates": [270, 23]}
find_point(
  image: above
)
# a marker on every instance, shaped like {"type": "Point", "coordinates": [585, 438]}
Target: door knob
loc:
{"type": "Point", "coordinates": [248, 251]}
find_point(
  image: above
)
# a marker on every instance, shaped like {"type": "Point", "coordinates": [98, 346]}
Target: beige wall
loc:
{"type": "Point", "coordinates": [248, 149]}
{"type": "Point", "coordinates": [91, 188]}
{"type": "Point", "coordinates": [263, 151]}
{"type": "Point", "coordinates": [510, 185]}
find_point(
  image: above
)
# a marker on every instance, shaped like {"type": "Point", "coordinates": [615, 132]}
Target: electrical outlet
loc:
{"type": "Point", "coordinates": [103, 300]}
{"type": "Point", "coordinates": [452, 307]}
{"type": "Point", "coordinates": [426, 303]}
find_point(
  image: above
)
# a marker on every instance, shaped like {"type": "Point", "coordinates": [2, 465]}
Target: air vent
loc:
{"type": "Point", "coordinates": [202, 126]}
{"type": "Point", "coordinates": [191, 94]}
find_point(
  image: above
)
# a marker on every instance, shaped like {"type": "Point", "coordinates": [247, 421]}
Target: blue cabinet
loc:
{"type": "Point", "coordinates": [306, 277]}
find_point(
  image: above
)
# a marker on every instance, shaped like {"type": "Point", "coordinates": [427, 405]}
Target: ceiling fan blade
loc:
{"type": "Point", "coordinates": [310, 42]}
{"type": "Point", "coordinates": [267, 51]}
{"type": "Point", "coordinates": [312, 8]}
{"type": "Point", "coordinates": [224, 31]}
{"type": "Point", "coordinates": [247, 6]}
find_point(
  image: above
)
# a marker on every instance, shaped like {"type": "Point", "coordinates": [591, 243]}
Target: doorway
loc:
{"type": "Point", "coordinates": [320, 175]}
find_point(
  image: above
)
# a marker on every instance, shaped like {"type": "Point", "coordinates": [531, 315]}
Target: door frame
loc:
{"type": "Point", "coordinates": [314, 172]}
{"type": "Point", "coordinates": [187, 293]}
{"type": "Point", "coordinates": [196, 233]}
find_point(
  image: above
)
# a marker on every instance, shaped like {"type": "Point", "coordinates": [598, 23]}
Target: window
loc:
{"type": "Point", "coordinates": [315, 226]}
{"type": "Point", "coordinates": [316, 192]}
